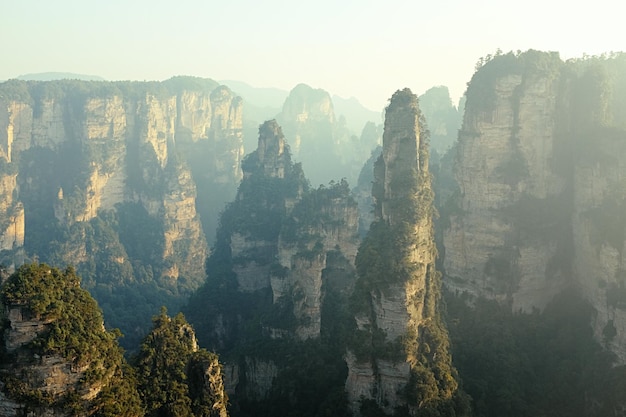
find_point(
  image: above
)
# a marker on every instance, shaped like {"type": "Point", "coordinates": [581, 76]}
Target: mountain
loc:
{"type": "Point", "coordinates": [320, 139]}
{"type": "Point", "coordinates": [277, 284]}
{"type": "Point", "coordinates": [535, 233]}
{"type": "Point", "coordinates": [259, 105]}
{"type": "Point", "coordinates": [444, 119]}
{"type": "Point", "coordinates": [122, 180]}
{"type": "Point", "coordinates": [307, 319]}
{"type": "Point", "coordinates": [57, 358]}
{"type": "Point", "coordinates": [355, 113]}
{"type": "Point", "coordinates": [398, 358]}
{"type": "Point", "coordinates": [258, 96]}
{"type": "Point", "coordinates": [51, 76]}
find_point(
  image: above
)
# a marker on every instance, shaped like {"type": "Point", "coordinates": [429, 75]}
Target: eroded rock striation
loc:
{"type": "Point", "coordinates": [283, 253]}
{"type": "Point", "coordinates": [540, 166]}
{"type": "Point", "coordinates": [399, 357]}
{"type": "Point", "coordinates": [123, 180]}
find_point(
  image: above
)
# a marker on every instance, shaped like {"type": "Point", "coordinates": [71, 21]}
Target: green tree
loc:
{"type": "Point", "coordinates": [73, 329]}
{"type": "Point", "coordinates": [170, 370]}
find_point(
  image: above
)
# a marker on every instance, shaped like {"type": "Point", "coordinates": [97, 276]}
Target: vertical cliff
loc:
{"type": "Point", "coordinates": [499, 244]}
{"type": "Point", "coordinates": [320, 139]}
{"type": "Point", "coordinates": [283, 258]}
{"type": "Point", "coordinates": [399, 356]}
{"type": "Point", "coordinates": [123, 180]}
{"type": "Point", "coordinates": [537, 224]}
{"type": "Point", "coordinates": [534, 171]}
{"type": "Point", "coordinates": [598, 133]}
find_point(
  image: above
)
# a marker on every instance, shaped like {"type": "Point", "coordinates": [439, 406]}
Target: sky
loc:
{"type": "Point", "coordinates": [365, 49]}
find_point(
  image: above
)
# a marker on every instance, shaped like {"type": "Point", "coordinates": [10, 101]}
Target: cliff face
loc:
{"type": "Point", "coordinates": [539, 168]}
{"type": "Point", "coordinates": [320, 139]}
{"type": "Point", "coordinates": [53, 375]}
{"type": "Point", "coordinates": [80, 158]}
{"type": "Point", "coordinates": [58, 360]}
{"type": "Point", "coordinates": [303, 108]}
{"type": "Point", "coordinates": [495, 247]}
{"type": "Point", "coordinates": [599, 236]}
{"type": "Point", "coordinates": [280, 247]}
{"type": "Point", "coordinates": [398, 323]}
{"type": "Point", "coordinates": [12, 215]}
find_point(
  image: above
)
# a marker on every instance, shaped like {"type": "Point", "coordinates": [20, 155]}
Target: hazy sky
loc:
{"type": "Point", "coordinates": [365, 48]}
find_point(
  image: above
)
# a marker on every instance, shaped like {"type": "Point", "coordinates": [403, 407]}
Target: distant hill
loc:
{"type": "Point", "coordinates": [266, 102]}
{"type": "Point", "coordinates": [355, 113]}
{"type": "Point", "coordinates": [49, 76]}
{"type": "Point", "coordinates": [258, 96]}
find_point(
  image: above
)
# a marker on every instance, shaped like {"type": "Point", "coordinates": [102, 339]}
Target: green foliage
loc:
{"type": "Point", "coordinates": [15, 90]}
{"type": "Point", "coordinates": [181, 83]}
{"type": "Point", "coordinates": [543, 363]}
{"type": "Point", "coordinates": [386, 258]}
{"type": "Point", "coordinates": [259, 209]}
{"type": "Point", "coordinates": [481, 94]}
{"type": "Point", "coordinates": [170, 371]}
{"type": "Point", "coordinates": [314, 211]}
{"type": "Point", "coordinates": [75, 332]}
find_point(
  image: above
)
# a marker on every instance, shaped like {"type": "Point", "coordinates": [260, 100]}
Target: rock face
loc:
{"type": "Point", "coordinates": [12, 215]}
{"type": "Point", "coordinates": [78, 158]}
{"type": "Point", "coordinates": [303, 107]}
{"type": "Point", "coordinates": [279, 247]}
{"type": "Point", "coordinates": [44, 371]}
{"type": "Point", "coordinates": [54, 374]}
{"type": "Point", "coordinates": [321, 140]}
{"type": "Point", "coordinates": [503, 168]}
{"type": "Point", "coordinates": [397, 280]}
{"type": "Point", "coordinates": [540, 166]}
{"type": "Point", "coordinates": [599, 236]}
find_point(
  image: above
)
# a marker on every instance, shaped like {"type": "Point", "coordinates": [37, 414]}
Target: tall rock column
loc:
{"type": "Point", "coordinates": [400, 357]}
{"type": "Point", "coordinates": [500, 239]}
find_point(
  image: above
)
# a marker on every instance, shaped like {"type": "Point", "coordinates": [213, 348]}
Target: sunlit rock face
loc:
{"type": "Point", "coordinates": [540, 168]}
{"type": "Point", "coordinates": [505, 149]}
{"type": "Point", "coordinates": [76, 155]}
{"type": "Point", "coordinates": [401, 289]}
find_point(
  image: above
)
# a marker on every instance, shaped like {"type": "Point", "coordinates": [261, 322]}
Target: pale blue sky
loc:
{"type": "Point", "coordinates": [366, 49]}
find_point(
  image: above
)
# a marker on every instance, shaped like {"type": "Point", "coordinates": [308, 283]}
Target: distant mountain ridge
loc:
{"type": "Point", "coordinates": [51, 76]}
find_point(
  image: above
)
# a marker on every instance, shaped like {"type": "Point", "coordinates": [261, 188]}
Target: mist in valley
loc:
{"type": "Point", "coordinates": [349, 210]}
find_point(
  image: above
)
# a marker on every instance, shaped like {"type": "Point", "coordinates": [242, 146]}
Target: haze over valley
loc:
{"type": "Point", "coordinates": [354, 209]}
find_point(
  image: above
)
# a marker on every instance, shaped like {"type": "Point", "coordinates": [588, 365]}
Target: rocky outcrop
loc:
{"type": "Point", "coordinates": [45, 371]}
{"type": "Point", "coordinates": [282, 251]}
{"type": "Point", "coordinates": [599, 237]}
{"type": "Point", "coordinates": [322, 141]}
{"type": "Point", "coordinates": [397, 281]}
{"type": "Point", "coordinates": [78, 154]}
{"type": "Point", "coordinates": [304, 107]}
{"type": "Point", "coordinates": [11, 214]}
{"type": "Point", "coordinates": [505, 149]}
{"type": "Point", "coordinates": [539, 168]}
